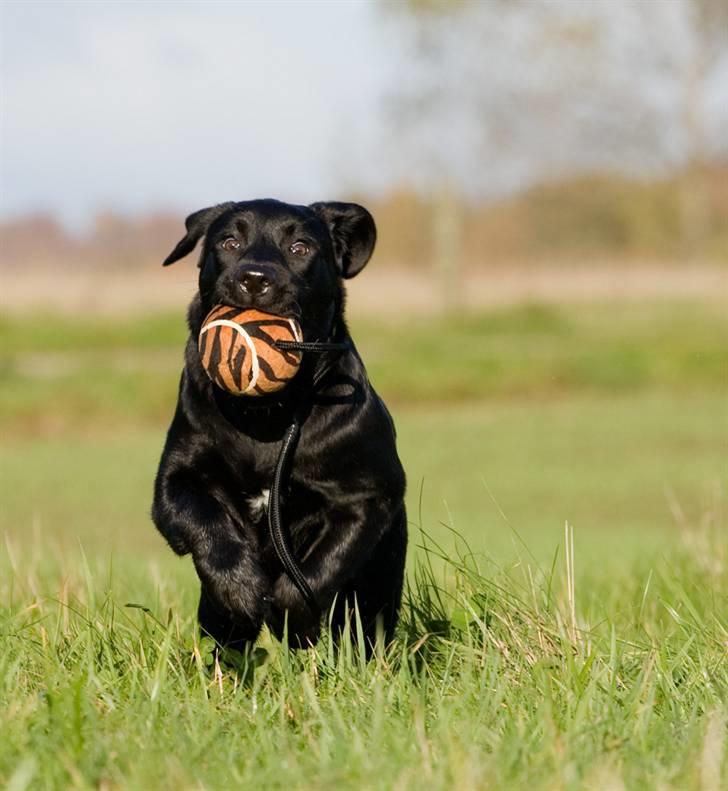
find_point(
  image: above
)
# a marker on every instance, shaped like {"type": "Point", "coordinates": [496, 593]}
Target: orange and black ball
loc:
{"type": "Point", "coordinates": [238, 353]}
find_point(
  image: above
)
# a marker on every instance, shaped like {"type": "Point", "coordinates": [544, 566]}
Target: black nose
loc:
{"type": "Point", "coordinates": [256, 281]}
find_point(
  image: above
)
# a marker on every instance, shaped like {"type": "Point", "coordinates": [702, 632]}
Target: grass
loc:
{"type": "Point", "coordinates": [614, 466]}
{"type": "Point", "coordinates": [499, 678]}
{"type": "Point", "coordinates": [58, 374]}
{"type": "Point", "coordinates": [510, 668]}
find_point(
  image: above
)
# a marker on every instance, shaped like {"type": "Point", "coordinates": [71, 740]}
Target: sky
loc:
{"type": "Point", "coordinates": [141, 106]}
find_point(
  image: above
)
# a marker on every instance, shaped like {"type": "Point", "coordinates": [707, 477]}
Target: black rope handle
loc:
{"type": "Point", "coordinates": [311, 346]}
{"type": "Point", "coordinates": [278, 534]}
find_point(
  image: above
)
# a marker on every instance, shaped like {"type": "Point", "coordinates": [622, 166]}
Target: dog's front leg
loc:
{"type": "Point", "coordinates": [349, 535]}
{"type": "Point", "coordinates": [235, 590]}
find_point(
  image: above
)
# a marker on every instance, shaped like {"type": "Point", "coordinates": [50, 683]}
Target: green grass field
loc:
{"type": "Point", "coordinates": [511, 669]}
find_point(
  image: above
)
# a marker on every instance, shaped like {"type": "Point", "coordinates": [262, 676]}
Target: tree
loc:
{"type": "Point", "coordinates": [708, 25]}
{"type": "Point", "coordinates": [493, 96]}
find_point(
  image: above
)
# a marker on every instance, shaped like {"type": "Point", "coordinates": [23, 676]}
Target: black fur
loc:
{"type": "Point", "coordinates": [344, 507]}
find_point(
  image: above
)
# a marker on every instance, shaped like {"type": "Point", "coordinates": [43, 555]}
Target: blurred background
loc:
{"type": "Point", "coordinates": [546, 309]}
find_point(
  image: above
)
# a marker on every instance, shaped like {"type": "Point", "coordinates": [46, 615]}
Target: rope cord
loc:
{"type": "Point", "coordinates": [315, 346]}
{"type": "Point", "coordinates": [277, 531]}
{"type": "Point", "coordinates": [276, 528]}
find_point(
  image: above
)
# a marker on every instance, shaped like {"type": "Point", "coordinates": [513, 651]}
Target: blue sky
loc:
{"type": "Point", "coordinates": [138, 106]}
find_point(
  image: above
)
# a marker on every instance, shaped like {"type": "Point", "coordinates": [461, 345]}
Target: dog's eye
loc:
{"type": "Point", "coordinates": [299, 248]}
{"type": "Point", "coordinates": [229, 244]}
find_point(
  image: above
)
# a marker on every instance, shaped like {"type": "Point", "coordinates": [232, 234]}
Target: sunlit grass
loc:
{"type": "Point", "coordinates": [624, 470]}
{"type": "Point", "coordinates": [61, 374]}
{"type": "Point", "coordinates": [509, 670]}
{"type": "Point", "coordinates": [493, 681]}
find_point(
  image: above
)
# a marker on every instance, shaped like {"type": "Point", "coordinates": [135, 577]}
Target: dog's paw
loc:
{"type": "Point", "coordinates": [240, 590]}
{"type": "Point", "coordinates": [303, 624]}
{"type": "Point", "coordinates": [285, 594]}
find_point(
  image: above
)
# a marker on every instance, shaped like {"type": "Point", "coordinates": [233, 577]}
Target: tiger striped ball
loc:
{"type": "Point", "coordinates": [238, 353]}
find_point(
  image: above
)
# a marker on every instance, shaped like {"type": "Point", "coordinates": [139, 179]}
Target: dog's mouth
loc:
{"type": "Point", "coordinates": [284, 306]}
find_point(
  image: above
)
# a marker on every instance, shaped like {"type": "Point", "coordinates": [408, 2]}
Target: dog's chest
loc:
{"type": "Point", "coordinates": [258, 504]}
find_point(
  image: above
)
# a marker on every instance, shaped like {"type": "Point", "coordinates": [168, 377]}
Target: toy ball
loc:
{"type": "Point", "coordinates": [238, 353]}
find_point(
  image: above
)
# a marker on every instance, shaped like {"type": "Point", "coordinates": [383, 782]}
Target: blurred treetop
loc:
{"type": "Point", "coordinates": [494, 96]}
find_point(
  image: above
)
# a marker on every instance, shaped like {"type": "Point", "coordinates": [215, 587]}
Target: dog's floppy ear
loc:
{"type": "Point", "coordinates": [352, 231]}
{"type": "Point", "coordinates": [197, 225]}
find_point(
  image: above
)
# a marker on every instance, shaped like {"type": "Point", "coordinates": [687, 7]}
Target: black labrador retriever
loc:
{"type": "Point", "coordinates": [343, 503]}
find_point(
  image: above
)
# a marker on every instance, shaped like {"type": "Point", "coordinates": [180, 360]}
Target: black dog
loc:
{"type": "Point", "coordinates": [343, 505]}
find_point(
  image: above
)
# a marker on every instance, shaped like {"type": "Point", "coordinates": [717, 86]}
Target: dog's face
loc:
{"type": "Point", "coordinates": [281, 259]}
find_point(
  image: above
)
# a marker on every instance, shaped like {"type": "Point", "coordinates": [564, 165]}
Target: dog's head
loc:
{"type": "Point", "coordinates": [278, 258]}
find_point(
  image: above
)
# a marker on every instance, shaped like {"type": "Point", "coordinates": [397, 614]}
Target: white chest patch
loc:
{"type": "Point", "coordinates": [258, 504]}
